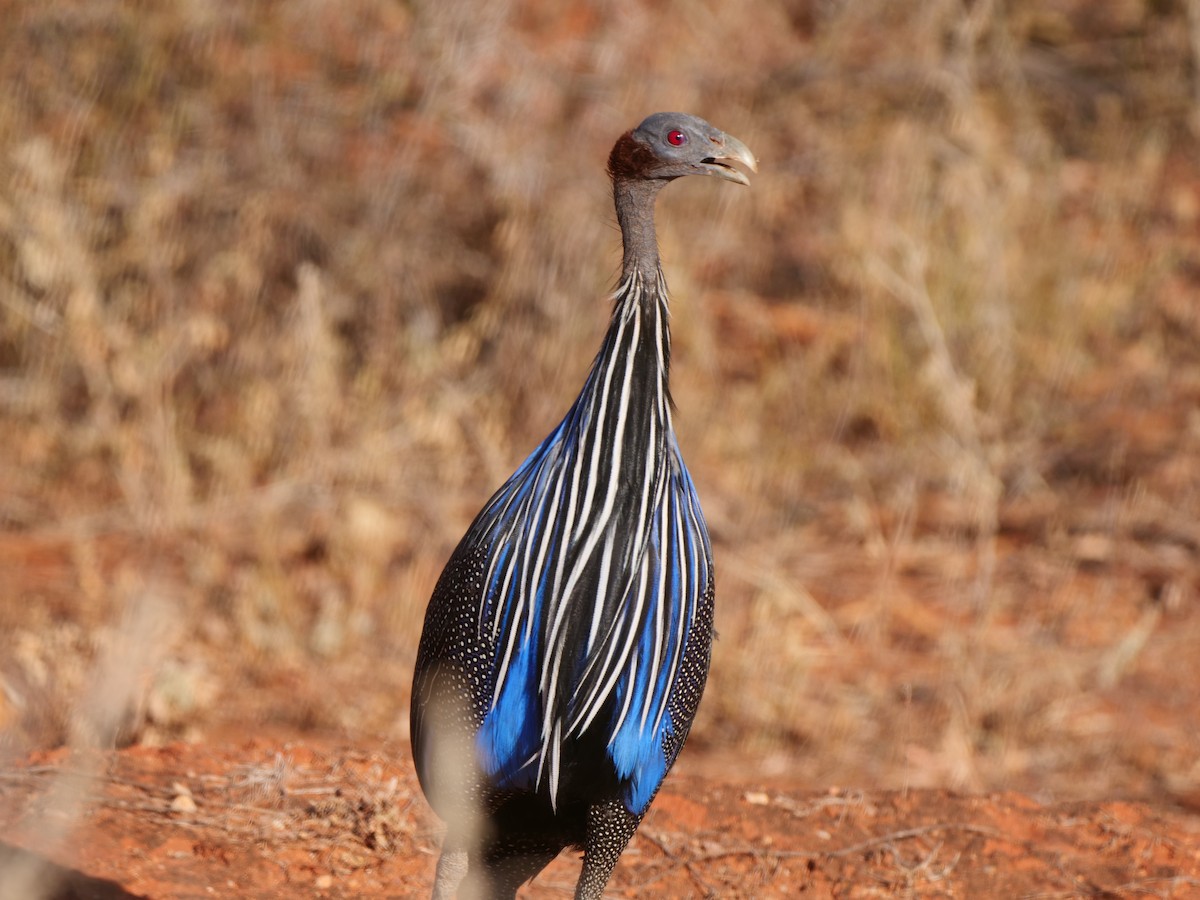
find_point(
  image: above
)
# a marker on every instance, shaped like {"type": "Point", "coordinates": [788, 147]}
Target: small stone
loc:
{"type": "Point", "coordinates": [183, 803]}
{"type": "Point", "coordinates": [1094, 548]}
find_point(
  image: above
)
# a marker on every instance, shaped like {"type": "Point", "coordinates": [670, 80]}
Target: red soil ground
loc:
{"type": "Point", "coordinates": [277, 818]}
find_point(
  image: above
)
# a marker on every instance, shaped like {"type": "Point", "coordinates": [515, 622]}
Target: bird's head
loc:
{"type": "Point", "coordinates": [670, 145]}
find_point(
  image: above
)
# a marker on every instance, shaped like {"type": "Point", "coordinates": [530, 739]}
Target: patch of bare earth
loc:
{"type": "Point", "coordinates": [277, 818]}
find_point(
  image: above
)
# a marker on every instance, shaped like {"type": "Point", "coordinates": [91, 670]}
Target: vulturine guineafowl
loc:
{"type": "Point", "coordinates": [567, 641]}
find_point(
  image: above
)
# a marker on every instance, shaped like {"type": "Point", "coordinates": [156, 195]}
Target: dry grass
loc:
{"type": "Point", "coordinates": [286, 291]}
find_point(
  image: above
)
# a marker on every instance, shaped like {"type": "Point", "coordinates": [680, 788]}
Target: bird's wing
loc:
{"type": "Point", "coordinates": [588, 625]}
{"type": "Point", "coordinates": [596, 558]}
{"type": "Point", "coordinates": [633, 669]}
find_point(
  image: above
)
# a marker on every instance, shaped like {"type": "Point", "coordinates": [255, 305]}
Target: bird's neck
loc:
{"type": "Point", "coordinates": [634, 198]}
{"type": "Point", "coordinates": [638, 345]}
{"type": "Point", "coordinates": [637, 349]}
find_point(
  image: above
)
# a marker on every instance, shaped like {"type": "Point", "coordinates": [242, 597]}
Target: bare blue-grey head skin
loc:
{"type": "Point", "coordinates": [647, 158]}
{"type": "Point", "coordinates": [567, 642]}
{"type": "Point", "coordinates": [670, 145]}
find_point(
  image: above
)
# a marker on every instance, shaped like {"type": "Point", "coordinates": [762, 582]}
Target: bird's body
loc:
{"type": "Point", "coordinates": [567, 642]}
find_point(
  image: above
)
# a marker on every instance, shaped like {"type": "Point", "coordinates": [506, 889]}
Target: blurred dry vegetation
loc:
{"type": "Point", "coordinates": [286, 289]}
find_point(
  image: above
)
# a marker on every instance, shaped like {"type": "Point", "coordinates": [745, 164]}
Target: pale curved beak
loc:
{"type": "Point", "coordinates": [729, 149]}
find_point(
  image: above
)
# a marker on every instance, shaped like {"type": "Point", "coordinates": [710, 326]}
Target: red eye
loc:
{"type": "Point", "coordinates": [676, 138]}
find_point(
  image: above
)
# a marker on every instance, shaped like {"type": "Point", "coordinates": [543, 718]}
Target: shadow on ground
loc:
{"type": "Point", "coordinates": [27, 874]}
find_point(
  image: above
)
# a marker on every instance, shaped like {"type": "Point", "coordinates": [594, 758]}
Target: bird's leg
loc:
{"type": "Point", "coordinates": [609, 827]}
{"type": "Point", "coordinates": [451, 870]}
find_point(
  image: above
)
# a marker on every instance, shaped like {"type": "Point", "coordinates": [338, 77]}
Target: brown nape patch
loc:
{"type": "Point", "coordinates": [630, 158]}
